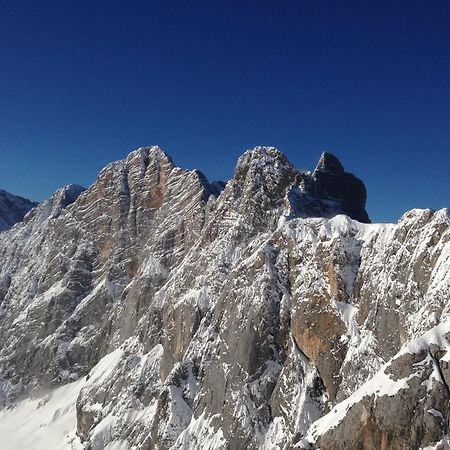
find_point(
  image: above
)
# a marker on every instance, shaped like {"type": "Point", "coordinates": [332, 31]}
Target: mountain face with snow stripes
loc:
{"type": "Point", "coordinates": [158, 310]}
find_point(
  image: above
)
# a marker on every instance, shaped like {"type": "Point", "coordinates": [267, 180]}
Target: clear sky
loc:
{"type": "Point", "coordinates": [84, 82]}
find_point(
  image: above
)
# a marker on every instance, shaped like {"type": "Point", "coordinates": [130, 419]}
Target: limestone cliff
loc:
{"type": "Point", "coordinates": [186, 314]}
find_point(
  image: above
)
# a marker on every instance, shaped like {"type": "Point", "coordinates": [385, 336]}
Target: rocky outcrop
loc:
{"type": "Point", "coordinates": [202, 315]}
{"type": "Point", "coordinates": [327, 192]}
{"type": "Point", "coordinates": [332, 183]}
{"type": "Point", "coordinates": [13, 209]}
{"type": "Point", "coordinates": [404, 406]}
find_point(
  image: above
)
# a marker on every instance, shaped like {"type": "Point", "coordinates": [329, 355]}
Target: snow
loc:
{"type": "Point", "coordinates": [104, 368]}
{"type": "Point", "coordinates": [102, 436]}
{"type": "Point", "coordinates": [435, 413]}
{"type": "Point", "coordinates": [267, 270]}
{"type": "Point", "coordinates": [201, 435]}
{"type": "Point", "coordinates": [117, 445]}
{"type": "Point", "coordinates": [443, 444]}
{"type": "Point", "coordinates": [347, 312]}
{"type": "Point", "coordinates": [49, 421]}
{"type": "Point", "coordinates": [46, 422]}
{"type": "Point", "coordinates": [436, 335]}
{"type": "Point", "coordinates": [276, 435]}
{"type": "Point", "coordinates": [301, 408]}
{"type": "Point", "coordinates": [112, 401]}
{"type": "Point", "coordinates": [381, 384]}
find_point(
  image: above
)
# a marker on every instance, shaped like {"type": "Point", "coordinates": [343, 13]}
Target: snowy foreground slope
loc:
{"type": "Point", "coordinates": [157, 310]}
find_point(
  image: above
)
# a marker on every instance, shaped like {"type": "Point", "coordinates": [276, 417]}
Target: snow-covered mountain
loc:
{"type": "Point", "coordinates": [12, 209]}
{"type": "Point", "coordinates": [157, 310]}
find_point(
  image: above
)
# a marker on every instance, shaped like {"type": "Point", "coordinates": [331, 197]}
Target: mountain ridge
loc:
{"type": "Point", "coordinates": [13, 209]}
{"type": "Point", "coordinates": [226, 316]}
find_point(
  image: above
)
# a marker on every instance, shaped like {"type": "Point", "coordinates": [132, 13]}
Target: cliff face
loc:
{"type": "Point", "coordinates": [193, 315]}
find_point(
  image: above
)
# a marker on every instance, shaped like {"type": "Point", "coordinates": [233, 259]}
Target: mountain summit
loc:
{"type": "Point", "coordinates": [157, 310]}
{"type": "Point", "coordinates": [269, 180]}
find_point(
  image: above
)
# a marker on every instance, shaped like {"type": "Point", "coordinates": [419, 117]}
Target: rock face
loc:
{"type": "Point", "coordinates": [348, 191]}
{"type": "Point", "coordinates": [13, 209]}
{"type": "Point", "coordinates": [410, 393]}
{"type": "Point", "coordinates": [252, 314]}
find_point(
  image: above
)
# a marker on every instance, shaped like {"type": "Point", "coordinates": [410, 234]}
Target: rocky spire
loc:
{"type": "Point", "coordinates": [329, 162]}
{"type": "Point", "coordinates": [268, 184]}
{"type": "Point", "coordinates": [348, 192]}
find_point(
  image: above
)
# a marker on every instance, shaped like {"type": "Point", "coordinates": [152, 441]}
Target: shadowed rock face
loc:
{"type": "Point", "coordinates": [227, 315]}
{"type": "Point", "coordinates": [265, 176]}
{"type": "Point", "coordinates": [332, 182]}
{"type": "Point", "coordinates": [13, 209]}
{"type": "Point", "coordinates": [329, 162]}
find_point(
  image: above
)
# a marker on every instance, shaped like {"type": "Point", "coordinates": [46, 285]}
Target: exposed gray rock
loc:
{"type": "Point", "coordinates": [223, 316]}
{"type": "Point", "coordinates": [405, 406]}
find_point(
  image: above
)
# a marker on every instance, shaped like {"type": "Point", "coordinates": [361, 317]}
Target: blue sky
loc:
{"type": "Point", "coordinates": [82, 83]}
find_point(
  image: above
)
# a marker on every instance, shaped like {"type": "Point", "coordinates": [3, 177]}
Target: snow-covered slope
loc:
{"type": "Point", "coordinates": [45, 422]}
{"type": "Point", "coordinates": [224, 316]}
{"type": "Point", "coordinates": [12, 209]}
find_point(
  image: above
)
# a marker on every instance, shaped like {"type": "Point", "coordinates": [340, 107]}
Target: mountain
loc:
{"type": "Point", "coordinates": [157, 310]}
{"type": "Point", "coordinates": [13, 209]}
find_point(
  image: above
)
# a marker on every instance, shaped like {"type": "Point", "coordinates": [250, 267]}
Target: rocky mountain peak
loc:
{"type": "Point", "coordinates": [332, 183]}
{"type": "Point", "coordinates": [265, 169]}
{"type": "Point", "coordinates": [266, 184]}
{"type": "Point", "coordinates": [258, 188]}
{"type": "Point", "coordinates": [13, 209]}
{"type": "Point", "coordinates": [66, 195]}
{"type": "Point", "coordinates": [137, 162]}
{"type": "Point", "coordinates": [156, 312]}
{"type": "Point", "coordinates": [51, 208]}
{"type": "Point", "coordinates": [263, 165]}
{"type": "Point", "coordinates": [330, 162]}
{"type": "Point", "coordinates": [153, 153]}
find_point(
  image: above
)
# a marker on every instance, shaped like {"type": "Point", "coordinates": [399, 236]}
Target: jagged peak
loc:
{"type": "Point", "coordinates": [143, 154]}
{"type": "Point", "coordinates": [262, 159]}
{"type": "Point", "coordinates": [328, 191]}
{"type": "Point", "coordinates": [13, 197]}
{"type": "Point", "coordinates": [261, 150]}
{"type": "Point", "coordinates": [150, 152]}
{"type": "Point", "coordinates": [263, 154]}
{"type": "Point", "coordinates": [329, 162]}
{"type": "Point", "coordinates": [425, 215]}
{"type": "Point", "coordinates": [53, 206]}
{"type": "Point", "coordinates": [131, 176]}
{"type": "Point", "coordinates": [67, 194]}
